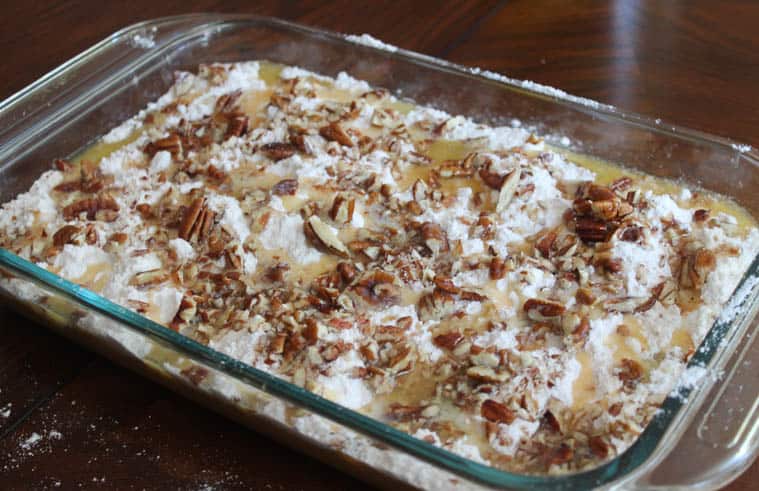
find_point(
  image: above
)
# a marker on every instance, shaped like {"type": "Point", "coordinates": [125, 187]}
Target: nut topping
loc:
{"type": "Point", "coordinates": [497, 412]}
{"type": "Point", "coordinates": [335, 132]}
{"type": "Point", "coordinates": [321, 235]}
{"type": "Point", "coordinates": [507, 191]}
{"type": "Point", "coordinates": [285, 187]}
{"type": "Point", "coordinates": [278, 151]}
{"type": "Point", "coordinates": [539, 309]}
{"type": "Point", "coordinates": [342, 209]}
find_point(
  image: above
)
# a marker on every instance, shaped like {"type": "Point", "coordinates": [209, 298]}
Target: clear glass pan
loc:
{"type": "Point", "coordinates": [706, 440]}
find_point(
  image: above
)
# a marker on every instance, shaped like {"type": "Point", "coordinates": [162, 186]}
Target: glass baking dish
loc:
{"type": "Point", "coordinates": [705, 436]}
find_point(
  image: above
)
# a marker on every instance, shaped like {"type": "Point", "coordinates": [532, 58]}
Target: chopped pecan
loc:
{"type": "Point", "coordinates": [377, 288]}
{"type": "Point", "coordinates": [190, 221]}
{"type": "Point", "coordinates": [457, 168]}
{"type": "Point", "coordinates": [630, 372]}
{"type": "Point", "coordinates": [277, 272]}
{"type": "Point", "coordinates": [237, 126]}
{"type": "Point", "coordinates": [342, 209]}
{"type": "Point", "coordinates": [446, 284]}
{"type": "Point", "coordinates": [335, 132]}
{"type": "Point", "coordinates": [448, 340]}
{"type": "Point", "coordinates": [537, 308]}
{"type": "Point", "coordinates": [400, 412]}
{"type": "Point", "coordinates": [496, 412]}
{"type": "Point", "coordinates": [171, 144]}
{"type": "Point", "coordinates": [545, 243]}
{"type": "Point", "coordinates": [551, 421]}
{"type": "Point", "coordinates": [585, 296]}
{"type": "Point", "coordinates": [195, 374]}
{"type": "Point", "coordinates": [621, 184]}
{"type": "Point", "coordinates": [497, 268]}
{"type": "Point", "coordinates": [700, 215]}
{"type": "Point", "coordinates": [145, 278]}
{"type": "Point", "coordinates": [696, 266]}
{"type": "Point", "coordinates": [598, 446]}
{"type": "Point", "coordinates": [507, 191]}
{"type": "Point", "coordinates": [285, 187]}
{"type": "Point", "coordinates": [311, 331]}
{"type": "Point", "coordinates": [491, 179]}
{"type": "Point", "coordinates": [632, 233]}
{"type": "Point", "coordinates": [322, 236]}
{"type": "Point", "coordinates": [227, 103]}
{"type": "Point", "coordinates": [65, 235]}
{"type": "Point", "coordinates": [648, 304]}
{"type": "Point", "coordinates": [278, 150]}
{"type": "Point", "coordinates": [561, 455]}
{"type": "Point", "coordinates": [347, 271]}
{"type": "Point", "coordinates": [434, 237]}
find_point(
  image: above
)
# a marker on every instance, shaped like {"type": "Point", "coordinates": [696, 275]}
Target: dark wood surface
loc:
{"type": "Point", "coordinates": [695, 63]}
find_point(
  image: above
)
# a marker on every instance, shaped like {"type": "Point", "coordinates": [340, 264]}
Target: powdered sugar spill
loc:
{"type": "Point", "coordinates": [368, 40]}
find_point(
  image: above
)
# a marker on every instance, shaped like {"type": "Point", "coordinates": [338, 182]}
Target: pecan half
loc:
{"type": "Point", "coordinates": [378, 288]}
{"type": "Point", "coordinates": [91, 206]}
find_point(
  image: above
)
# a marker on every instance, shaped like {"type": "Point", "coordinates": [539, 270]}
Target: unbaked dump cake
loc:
{"type": "Point", "coordinates": [467, 284]}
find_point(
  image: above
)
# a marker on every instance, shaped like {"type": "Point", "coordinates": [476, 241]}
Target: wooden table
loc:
{"type": "Point", "coordinates": [695, 63]}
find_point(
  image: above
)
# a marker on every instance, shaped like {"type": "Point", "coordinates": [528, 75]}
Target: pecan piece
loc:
{"type": "Point", "coordinates": [145, 278]}
{"type": "Point", "coordinates": [492, 179]}
{"type": "Point", "coordinates": [561, 455]}
{"type": "Point", "coordinates": [191, 218]}
{"type": "Point", "coordinates": [378, 288]}
{"type": "Point", "coordinates": [630, 372]}
{"type": "Point", "coordinates": [65, 235]}
{"type": "Point", "coordinates": [92, 206]}
{"type": "Point", "coordinates": [322, 236]}
{"type": "Point", "coordinates": [347, 271]}
{"type": "Point", "coordinates": [237, 126]}
{"type": "Point", "coordinates": [508, 188]}
{"type": "Point", "coordinates": [700, 215]}
{"type": "Point", "coordinates": [448, 340]}
{"type": "Point", "coordinates": [598, 446]}
{"type": "Point", "coordinates": [591, 230]}
{"type": "Point", "coordinates": [434, 237]}
{"type": "Point", "coordinates": [446, 284]}
{"type": "Point", "coordinates": [544, 244]}
{"type": "Point", "coordinates": [278, 151]}
{"type": "Point", "coordinates": [496, 412]}
{"type": "Point", "coordinates": [342, 209]}
{"type": "Point", "coordinates": [497, 268]}
{"type": "Point", "coordinates": [335, 132]}
{"type": "Point", "coordinates": [538, 309]}
{"type": "Point", "coordinates": [171, 144]}
{"type": "Point", "coordinates": [285, 187]}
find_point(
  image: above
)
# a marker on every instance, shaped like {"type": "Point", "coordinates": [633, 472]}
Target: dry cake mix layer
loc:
{"type": "Point", "coordinates": [464, 283]}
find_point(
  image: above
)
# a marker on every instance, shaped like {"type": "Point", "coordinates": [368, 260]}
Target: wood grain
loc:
{"type": "Point", "coordinates": [694, 63]}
